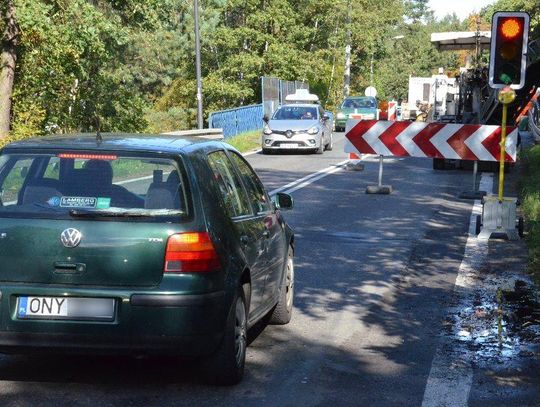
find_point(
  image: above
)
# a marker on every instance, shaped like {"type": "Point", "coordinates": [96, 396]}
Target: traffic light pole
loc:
{"type": "Point", "coordinates": [499, 213]}
{"type": "Point", "coordinates": [506, 96]}
{"type": "Point", "coordinates": [507, 67]}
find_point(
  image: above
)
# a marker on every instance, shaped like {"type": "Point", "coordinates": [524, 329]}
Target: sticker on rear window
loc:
{"type": "Point", "coordinates": [78, 202]}
{"type": "Point", "coordinates": [103, 203]}
{"type": "Point", "coordinates": [54, 201]}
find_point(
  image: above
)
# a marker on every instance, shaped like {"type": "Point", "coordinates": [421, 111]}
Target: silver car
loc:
{"type": "Point", "coordinates": [299, 127]}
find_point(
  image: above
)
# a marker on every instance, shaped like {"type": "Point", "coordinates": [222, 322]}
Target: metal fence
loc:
{"type": "Point", "coordinates": [237, 121]}
{"type": "Point", "coordinates": [248, 118]}
{"type": "Point", "coordinates": [275, 90]}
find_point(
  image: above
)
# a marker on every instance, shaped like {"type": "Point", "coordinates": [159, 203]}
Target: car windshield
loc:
{"type": "Point", "coordinates": [93, 185]}
{"type": "Point", "coordinates": [295, 113]}
{"type": "Point", "coordinates": [358, 103]}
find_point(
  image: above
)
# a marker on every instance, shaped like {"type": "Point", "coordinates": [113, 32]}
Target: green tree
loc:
{"type": "Point", "coordinates": [530, 6]}
{"type": "Point", "coordinates": [8, 59]}
{"type": "Point", "coordinates": [83, 59]}
{"type": "Point", "coordinates": [409, 51]}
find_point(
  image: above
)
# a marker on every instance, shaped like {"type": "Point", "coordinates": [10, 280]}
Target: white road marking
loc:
{"type": "Point", "coordinates": [252, 152]}
{"type": "Point", "coordinates": [309, 179]}
{"type": "Point", "coordinates": [127, 181]}
{"type": "Point", "coordinates": [450, 378]}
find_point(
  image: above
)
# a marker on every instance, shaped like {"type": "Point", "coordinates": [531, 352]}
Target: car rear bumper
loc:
{"type": "Point", "coordinates": [38, 343]}
{"type": "Point", "coordinates": [144, 322]}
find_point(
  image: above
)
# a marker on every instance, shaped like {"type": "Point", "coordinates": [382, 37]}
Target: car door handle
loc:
{"type": "Point", "coordinates": [62, 267]}
{"type": "Point", "coordinates": [244, 239]}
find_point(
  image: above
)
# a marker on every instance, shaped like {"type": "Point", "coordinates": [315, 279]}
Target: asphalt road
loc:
{"type": "Point", "coordinates": [374, 277]}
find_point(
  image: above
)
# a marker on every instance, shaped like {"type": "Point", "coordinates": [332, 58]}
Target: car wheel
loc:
{"type": "Point", "coordinates": [282, 312]}
{"type": "Point", "coordinates": [330, 144]}
{"type": "Point", "coordinates": [226, 366]}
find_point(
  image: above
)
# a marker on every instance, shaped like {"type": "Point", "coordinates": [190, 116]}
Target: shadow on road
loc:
{"type": "Point", "coordinates": [372, 293]}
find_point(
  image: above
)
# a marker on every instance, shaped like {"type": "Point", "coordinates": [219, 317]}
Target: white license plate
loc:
{"type": "Point", "coordinates": [292, 145]}
{"type": "Point", "coordinates": [65, 308]}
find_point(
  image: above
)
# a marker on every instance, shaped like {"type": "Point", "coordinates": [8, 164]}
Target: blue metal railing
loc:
{"type": "Point", "coordinates": [238, 120]}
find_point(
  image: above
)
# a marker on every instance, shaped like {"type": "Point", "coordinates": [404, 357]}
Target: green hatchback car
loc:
{"type": "Point", "coordinates": [140, 244]}
{"type": "Point", "coordinates": [356, 107]}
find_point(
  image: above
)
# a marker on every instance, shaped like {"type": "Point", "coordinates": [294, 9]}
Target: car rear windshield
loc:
{"type": "Point", "coordinates": [92, 185]}
{"type": "Point", "coordinates": [358, 103]}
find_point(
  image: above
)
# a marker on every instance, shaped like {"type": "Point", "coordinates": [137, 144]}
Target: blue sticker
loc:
{"type": "Point", "coordinates": [54, 201]}
{"type": "Point", "coordinates": [22, 306]}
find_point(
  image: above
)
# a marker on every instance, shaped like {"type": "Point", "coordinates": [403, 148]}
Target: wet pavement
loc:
{"type": "Point", "coordinates": [376, 312]}
{"type": "Point", "coordinates": [505, 331]}
{"type": "Point", "coordinates": [495, 328]}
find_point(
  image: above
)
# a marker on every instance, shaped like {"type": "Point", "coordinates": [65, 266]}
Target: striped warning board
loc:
{"type": "Point", "coordinates": [431, 140]}
{"type": "Point", "coordinates": [392, 110]}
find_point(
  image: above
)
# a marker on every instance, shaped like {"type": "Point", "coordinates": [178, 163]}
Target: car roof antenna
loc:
{"type": "Point", "coordinates": [99, 139]}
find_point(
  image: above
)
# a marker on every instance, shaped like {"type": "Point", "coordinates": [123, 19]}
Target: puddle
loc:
{"type": "Point", "coordinates": [498, 324]}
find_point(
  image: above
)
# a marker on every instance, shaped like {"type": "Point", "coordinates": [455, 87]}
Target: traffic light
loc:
{"type": "Point", "coordinates": [508, 60]}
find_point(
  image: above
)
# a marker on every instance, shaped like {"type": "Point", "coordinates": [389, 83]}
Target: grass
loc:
{"type": "Point", "coordinates": [529, 186]}
{"type": "Point", "coordinates": [246, 141]}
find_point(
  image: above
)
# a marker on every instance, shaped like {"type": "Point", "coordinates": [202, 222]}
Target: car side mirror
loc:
{"type": "Point", "coordinates": [283, 201]}
{"type": "Point", "coordinates": [266, 119]}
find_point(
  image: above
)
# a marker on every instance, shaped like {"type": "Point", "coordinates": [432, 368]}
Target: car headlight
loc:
{"type": "Point", "coordinates": [313, 130]}
{"type": "Point", "coordinates": [267, 130]}
{"type": "Point", "coordinates": [341, 115]}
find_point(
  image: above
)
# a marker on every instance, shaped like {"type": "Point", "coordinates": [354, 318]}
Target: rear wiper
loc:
{"type": "Point", "coordinates": [76, 213]}
{"type": "Point", "coordinates": [100, 214]}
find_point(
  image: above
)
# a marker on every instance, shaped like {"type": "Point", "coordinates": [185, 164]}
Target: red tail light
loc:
{"type": "Point", "coordinates": [190, 253]}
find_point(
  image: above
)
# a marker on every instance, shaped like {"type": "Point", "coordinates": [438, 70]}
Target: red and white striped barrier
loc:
{"type": "Point", "coordinates": [430, 140]}
{"type": "Point", "coordinates": [392, 110]}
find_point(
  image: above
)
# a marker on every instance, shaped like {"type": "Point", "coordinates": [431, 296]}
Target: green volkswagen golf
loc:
{"type": "Point", "coordinates": [140, 244]}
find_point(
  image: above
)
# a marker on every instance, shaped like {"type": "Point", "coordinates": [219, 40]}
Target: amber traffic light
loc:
{"type": "Point", "coordinates": [509, 36]}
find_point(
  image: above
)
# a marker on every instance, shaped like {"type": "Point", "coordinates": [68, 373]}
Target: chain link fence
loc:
{"type": "Point", "coordinates": [275, 90]}
{"type": "Point", "coordinates": [237, 121]}
{"type": "Point", "coordinates": [249, 118]}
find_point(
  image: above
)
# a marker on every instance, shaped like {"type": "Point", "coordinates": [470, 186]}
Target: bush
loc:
{"type": "Point", "coordinates": [175, 118]}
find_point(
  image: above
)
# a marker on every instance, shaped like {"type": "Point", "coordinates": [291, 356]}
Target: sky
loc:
{"type": "Point", "coordinates": [461, 7]}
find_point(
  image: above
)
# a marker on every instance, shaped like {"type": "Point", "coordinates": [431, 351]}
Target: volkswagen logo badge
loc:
{"type": "Point", "coordinates": [71, 237]}
{"type": "Point", "coordinates": [288, 133]}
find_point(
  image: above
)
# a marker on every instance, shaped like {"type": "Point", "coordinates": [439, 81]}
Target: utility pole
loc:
{"type": "Point", "coordinates": [478, 49]}
{"type": "Point", "coordinates": [347, 73]}
{"type": "Point", "coordinates": [198, 66]}
{"type": "Point", "coordinates": [371, 70]}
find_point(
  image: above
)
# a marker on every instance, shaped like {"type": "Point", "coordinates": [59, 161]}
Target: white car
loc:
{"type": "Point", "coordinates": [298, 126]}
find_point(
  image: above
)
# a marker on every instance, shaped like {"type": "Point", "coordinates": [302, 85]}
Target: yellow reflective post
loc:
{"type": "Point", "coordinates": [506, 96]}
